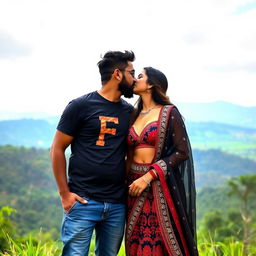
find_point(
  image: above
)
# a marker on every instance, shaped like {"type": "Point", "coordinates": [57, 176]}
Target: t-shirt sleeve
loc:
{"type": "Point", "coordinates": [70, 120]}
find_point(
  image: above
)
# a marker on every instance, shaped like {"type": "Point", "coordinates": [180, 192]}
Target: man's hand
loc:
{"type": "Point", "coordinates": [68, 199]}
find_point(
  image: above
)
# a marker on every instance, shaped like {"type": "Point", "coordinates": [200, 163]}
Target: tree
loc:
{"type": "Point", "coordinates": [244, 187]}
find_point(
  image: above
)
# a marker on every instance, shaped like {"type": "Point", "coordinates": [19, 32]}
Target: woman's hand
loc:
{"type": "Point", "coordinates": [139, 185]}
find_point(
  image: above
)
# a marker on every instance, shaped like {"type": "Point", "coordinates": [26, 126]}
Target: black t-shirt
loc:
{"type": "Point", "coordinates": [96, 164]}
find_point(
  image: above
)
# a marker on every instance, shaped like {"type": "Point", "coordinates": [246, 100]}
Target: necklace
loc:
{"type": "Point", "coordinates": [143, 113]}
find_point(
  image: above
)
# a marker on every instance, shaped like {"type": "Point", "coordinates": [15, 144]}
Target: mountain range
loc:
{"type": "Point", "coordinates": [203, 135]}
{"type": "Point", "coordinates": [218, 111]}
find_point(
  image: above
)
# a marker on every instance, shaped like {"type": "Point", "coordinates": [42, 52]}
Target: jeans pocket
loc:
{"type": "Point", "coordinates": [72, 207]}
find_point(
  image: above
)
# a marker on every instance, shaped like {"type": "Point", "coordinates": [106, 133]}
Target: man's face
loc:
{"type": "Point", "coordinates": [128, 81]}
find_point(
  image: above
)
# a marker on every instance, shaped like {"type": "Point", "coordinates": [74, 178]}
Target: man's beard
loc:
{"type": "Point", "coordinates": [126, 88]}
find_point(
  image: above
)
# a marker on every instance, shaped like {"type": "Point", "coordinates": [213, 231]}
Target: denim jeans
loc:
{"type": "Point", "coordinates": [78, 224]}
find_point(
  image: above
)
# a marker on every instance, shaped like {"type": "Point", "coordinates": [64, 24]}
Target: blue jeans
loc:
{"type": "Point", "coordinates": [78, 224]}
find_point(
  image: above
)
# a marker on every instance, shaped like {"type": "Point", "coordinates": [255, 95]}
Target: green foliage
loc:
{"type": "Point", "coordinates": [40, 244]}
{"type": "Point", "coordinates": [215, 198]}
{"type": "Point", "coordinates": [6, 225]}
{"type": "Point", "coordinates": [214, 167]}
{"type": "Point", "coordinates": [214, 226]}
{"type": "Point", "coordinates": [244, 187]}
{"type": "Point", "coordinates": [31, 247]}
{"type": "Point", "coordinates": [27, 184]}
{"type": "Point", "coordinates": [233, 223]}
{"type": "Point", "coordinates": [22, 170]}
{"type": "Point", "coordinates": [231, 248]}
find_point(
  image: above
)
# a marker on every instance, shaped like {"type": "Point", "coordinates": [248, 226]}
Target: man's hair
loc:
{"type": "Point", "coordinates": [114, 60]}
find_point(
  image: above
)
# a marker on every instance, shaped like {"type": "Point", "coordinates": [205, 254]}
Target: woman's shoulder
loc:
{"type": "Point", "coordinates": [171, 106]}
{"type": "Point", "coordinates": [173, 110]}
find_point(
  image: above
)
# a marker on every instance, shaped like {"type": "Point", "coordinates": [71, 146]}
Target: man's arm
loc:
{"type": "Point", "coordinates": [60, 143]}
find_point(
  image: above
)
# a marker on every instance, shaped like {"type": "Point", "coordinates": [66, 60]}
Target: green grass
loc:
{"type": "Point", "coordinates": [32, 248]}
{"type": "Point", "coordinates": [231, 247]}
{"type": "Point", "coordinates": [218, 248]}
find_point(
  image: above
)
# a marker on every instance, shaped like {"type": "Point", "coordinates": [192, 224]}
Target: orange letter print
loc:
{"type": "Point", "coordinates": [104, 129]}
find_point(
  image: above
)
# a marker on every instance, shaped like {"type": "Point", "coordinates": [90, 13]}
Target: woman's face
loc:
{"type": "Point", "coordinates": [141, 85]}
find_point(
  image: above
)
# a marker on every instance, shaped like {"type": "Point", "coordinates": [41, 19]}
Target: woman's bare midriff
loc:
{"type": "Point", "coordinates": [143, 155]}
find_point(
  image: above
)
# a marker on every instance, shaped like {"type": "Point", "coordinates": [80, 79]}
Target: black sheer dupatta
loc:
{"type": "Point", "coordinates": [175, 159]}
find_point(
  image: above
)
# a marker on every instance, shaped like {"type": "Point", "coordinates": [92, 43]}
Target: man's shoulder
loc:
{"type": "Point", "coordinates": [84, 99]}
{"type": "Point", "coordinates": [127, 105]}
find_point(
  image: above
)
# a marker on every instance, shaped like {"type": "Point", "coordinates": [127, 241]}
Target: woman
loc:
{"type": "Point", "coordinates": [161, 201]}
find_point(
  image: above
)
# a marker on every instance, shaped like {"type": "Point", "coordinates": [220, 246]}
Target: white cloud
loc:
{"type": "Point", "coordinates": [205, 48]}
{"type": "Point", "coordinates": [11, 48]}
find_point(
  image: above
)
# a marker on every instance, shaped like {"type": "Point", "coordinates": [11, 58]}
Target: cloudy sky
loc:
{"type": "Point", "coordinates": [49, 48]}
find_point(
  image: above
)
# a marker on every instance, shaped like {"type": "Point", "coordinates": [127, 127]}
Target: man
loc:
{"type": "Point", "coordinates": [95, 125]}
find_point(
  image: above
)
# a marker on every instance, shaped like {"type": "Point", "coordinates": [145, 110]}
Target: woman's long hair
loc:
{"type": "Point", "coordinates": [159, 87]}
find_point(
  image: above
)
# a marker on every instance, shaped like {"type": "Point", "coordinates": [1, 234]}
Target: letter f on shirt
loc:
{"type": "Point", "coordinates": [104, 129]}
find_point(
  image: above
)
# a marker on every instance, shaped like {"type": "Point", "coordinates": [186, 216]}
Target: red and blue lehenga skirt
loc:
{"type": "Point", "coordinates": [152, 229]}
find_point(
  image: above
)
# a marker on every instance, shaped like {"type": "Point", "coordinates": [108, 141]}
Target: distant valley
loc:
{"type": "Point", "coordinates": [224, 143]}
{"type": "Point", "coordinates": [203, 135]}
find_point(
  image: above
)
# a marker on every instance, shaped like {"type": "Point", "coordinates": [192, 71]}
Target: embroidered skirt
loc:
{"type": "Point", "coordinates": [143, 234]}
